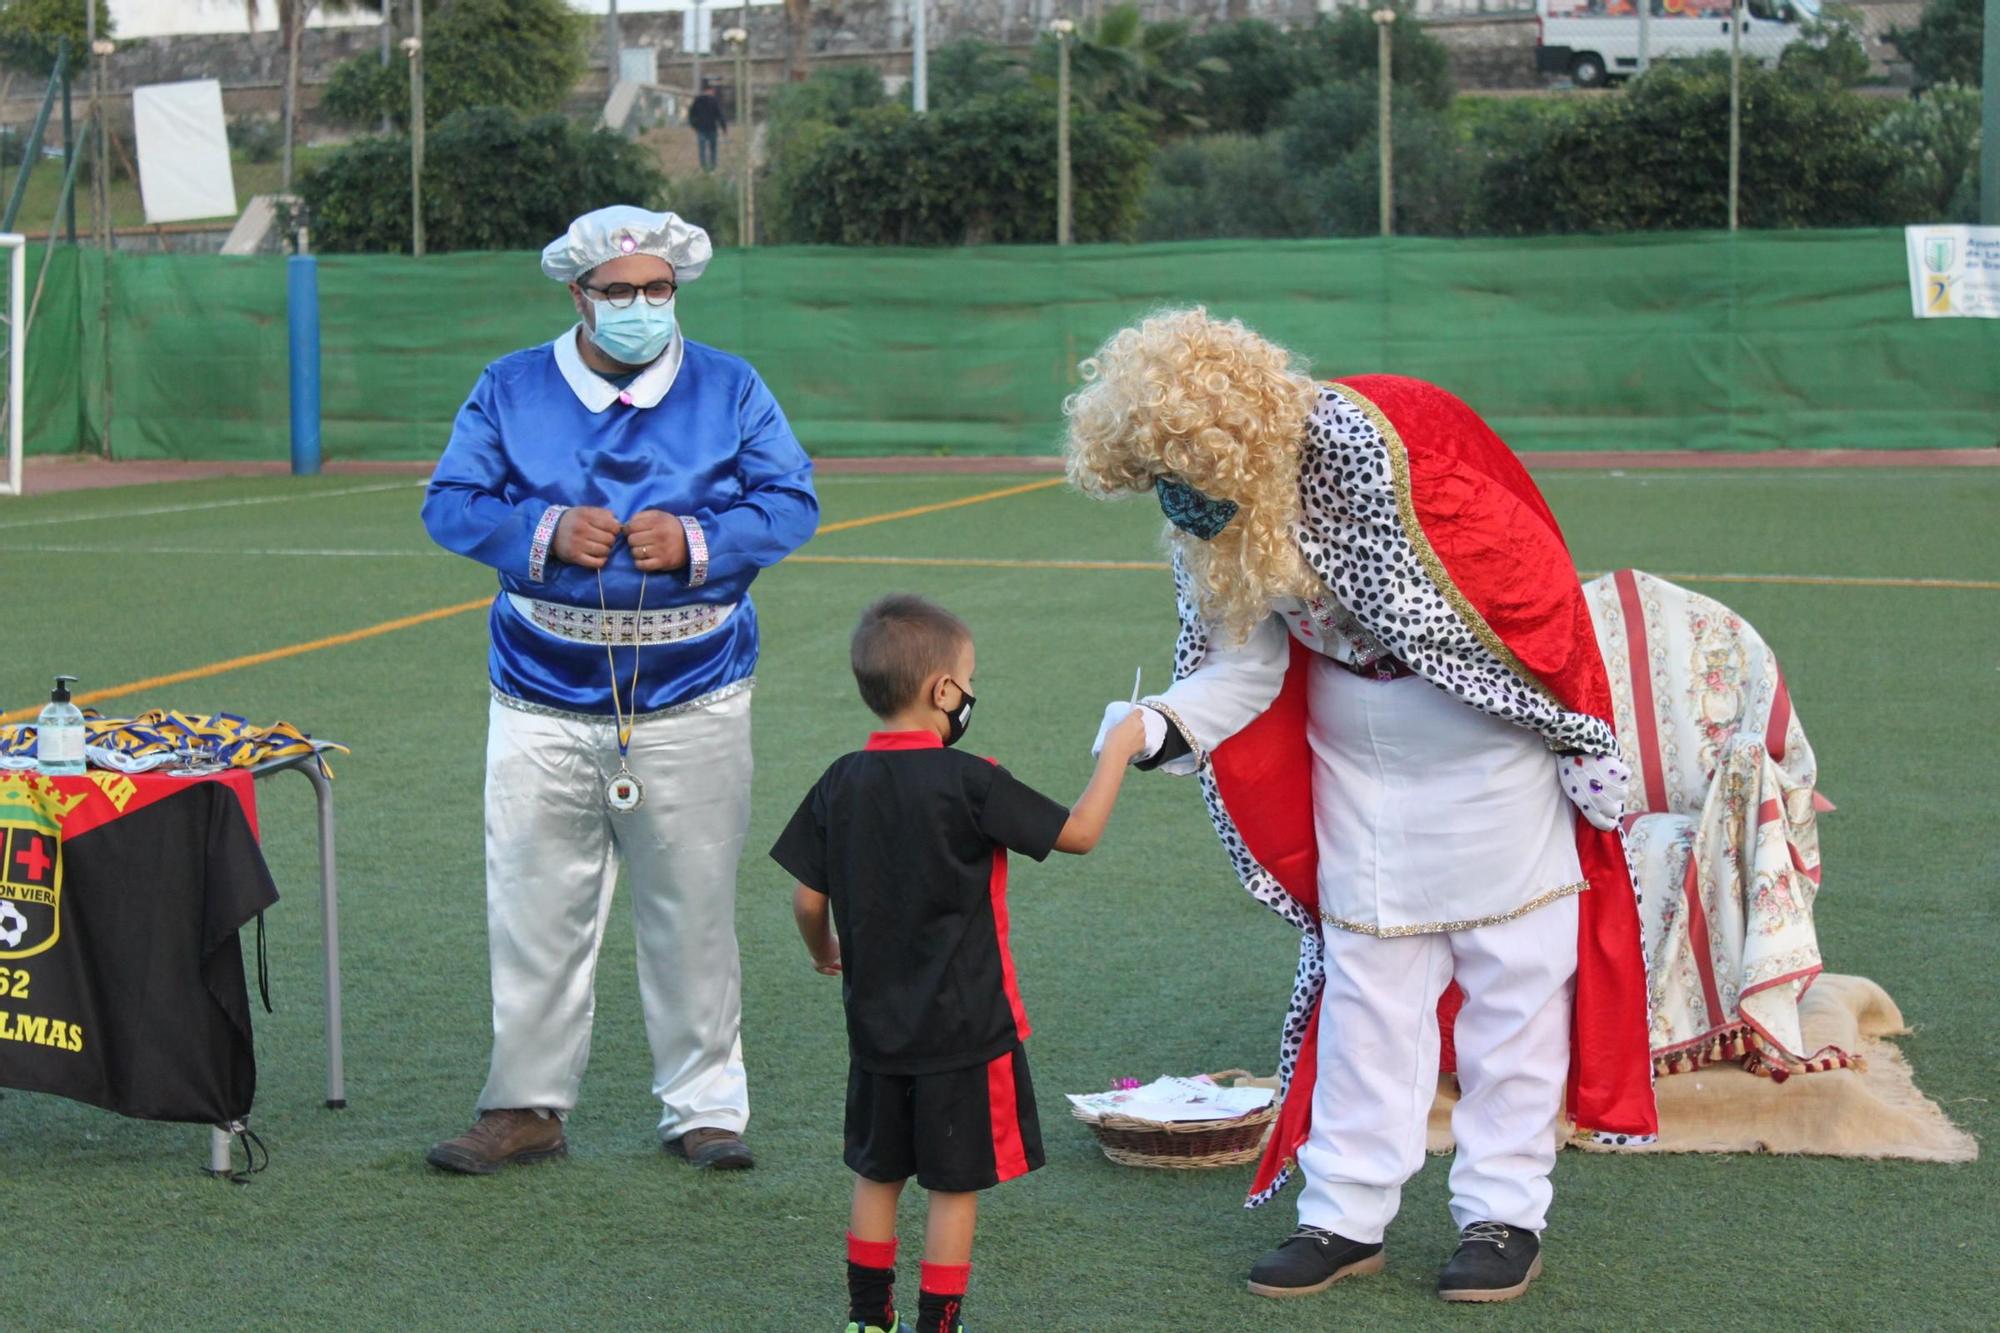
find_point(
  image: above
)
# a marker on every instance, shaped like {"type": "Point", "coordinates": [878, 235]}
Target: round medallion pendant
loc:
{"type": "Point", "coordinates": [625, 793]}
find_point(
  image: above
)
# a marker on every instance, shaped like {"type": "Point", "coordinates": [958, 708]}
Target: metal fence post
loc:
{"type": "Point", "coordinates": [415, 46]}
{"type": "Point", "coordinates": [302, 317]}
{"type": "Point", "coordinates": [1065, 205]}
{"type": "Point", "coordinates": [1735, 110]}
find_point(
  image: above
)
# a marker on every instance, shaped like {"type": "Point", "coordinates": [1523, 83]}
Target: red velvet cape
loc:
{"type": "Point", "coordinates": [1503, 558]}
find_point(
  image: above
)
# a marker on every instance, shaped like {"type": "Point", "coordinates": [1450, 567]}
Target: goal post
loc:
{"type": "Point", "coordinates": [16, 247]}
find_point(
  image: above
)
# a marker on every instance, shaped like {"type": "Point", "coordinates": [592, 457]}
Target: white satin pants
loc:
{"type": "Point", "coordinates": [1378, 1068]}
{"type": "Point", "coordinates": [553, 849]}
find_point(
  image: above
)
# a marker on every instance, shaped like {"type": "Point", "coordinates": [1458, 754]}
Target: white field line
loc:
{"type": "Point", "coordinates": [112, 515]}
{"type": "Point", "coordinates": [970, 562]}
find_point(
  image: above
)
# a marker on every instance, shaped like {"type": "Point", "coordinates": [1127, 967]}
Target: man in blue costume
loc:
{"type": "Point", "coordinates": [628, 485]}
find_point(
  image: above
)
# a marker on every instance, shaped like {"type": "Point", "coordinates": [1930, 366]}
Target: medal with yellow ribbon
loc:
{"type": "Point", "coordinates": [625, 793]}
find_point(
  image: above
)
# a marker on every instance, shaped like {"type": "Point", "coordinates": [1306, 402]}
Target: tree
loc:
{"type": "Point", "coordinates": [1332, 149]}
{"type": "Point", "coordinates": [1222, 185]}
{"type": "Point", "coordinates": [971, 67]}
{"type": "Point", "coordinates": [1657, 158]}
{"type": "Point", "coordinates": [1344, 49]}
{"type": "Point", "coordinates": [798, 35]}
{"type": "Point", "coordinates": [1944, 47]}
{"type": "Point", "coordinates": [982, 173]}
{"type": "Point", "coordinates": [1256, 69]}
{"type": "Point", "coordinates": [524, 54]}
{"type": "Point", "coordinates": [30, 30]}
{"type": "Point", "coordinates": [1148, 71]}
{"type": "Point", "coordinates": [494, 180]}
{"type": "Point", "coordinates": [1935, 138]}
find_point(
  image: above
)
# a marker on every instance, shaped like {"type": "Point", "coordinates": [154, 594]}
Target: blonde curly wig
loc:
{"type": "Point", "coordinates": [1207, 402]}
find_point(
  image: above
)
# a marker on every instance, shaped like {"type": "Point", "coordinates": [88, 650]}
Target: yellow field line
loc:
{"type": "Point", "coordinates": [939, 508]}
{"type": "Point", "coordinates": [259, 659]}
{"type": "Point", "coordinates": [974, 562]}
{"type": "Point", "coordinates": [445, 612]}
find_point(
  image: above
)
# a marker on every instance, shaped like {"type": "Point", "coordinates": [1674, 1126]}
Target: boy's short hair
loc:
{"type": "Point", "coordinates": [901, 642]}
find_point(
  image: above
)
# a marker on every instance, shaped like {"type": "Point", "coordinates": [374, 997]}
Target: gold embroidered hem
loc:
{"type": "Point", "coordinates": [1187, 733]}
{"type": "Point", "coordinates": [1446, 927]}
{"type": "Point", "coordinates": [1413, 532]}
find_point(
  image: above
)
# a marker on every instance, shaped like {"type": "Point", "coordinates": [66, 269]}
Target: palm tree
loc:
{"type": "Point", "coordinates": [293, 16]}
{"type": "Point", "coordinates": [1122, 63]}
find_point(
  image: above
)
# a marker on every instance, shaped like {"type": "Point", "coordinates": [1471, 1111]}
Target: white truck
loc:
{"type": "Point", "coordinates": [1597, 41]}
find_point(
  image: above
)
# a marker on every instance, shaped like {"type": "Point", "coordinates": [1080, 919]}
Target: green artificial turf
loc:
{"type": "Point", "coordinates": [1141, 959]}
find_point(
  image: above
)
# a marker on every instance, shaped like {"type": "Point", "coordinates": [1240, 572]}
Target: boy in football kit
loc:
{"type": "Point", "coordinates": [900, 852]}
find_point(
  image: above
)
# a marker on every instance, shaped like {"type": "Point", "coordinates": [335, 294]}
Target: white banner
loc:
{"type": "Point", "coordinates": [184, 169]}
{"type": "Point", "coordinates": [1954, 272]}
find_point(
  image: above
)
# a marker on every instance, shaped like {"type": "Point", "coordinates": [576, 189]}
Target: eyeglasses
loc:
{"type": "Point", "coordinates": [622, 294]}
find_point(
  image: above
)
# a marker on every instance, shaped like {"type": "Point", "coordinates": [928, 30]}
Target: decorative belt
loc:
{"type": "Point", "coordinates": [583, 624]}
{"type": "Point", "coordinates": [1382, 668]}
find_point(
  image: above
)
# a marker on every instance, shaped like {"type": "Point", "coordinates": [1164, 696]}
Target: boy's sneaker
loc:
{"type": "Point", "coordinates": [900, 1327]}
{"type": "Point", "coordinates": [1495, 1262]}
{"type": "Point", "coordinates": [1313, 1259]}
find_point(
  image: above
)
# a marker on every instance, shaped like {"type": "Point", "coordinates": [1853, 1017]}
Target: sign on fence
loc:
{"type": "Point", "coordinates": [1954, 272]}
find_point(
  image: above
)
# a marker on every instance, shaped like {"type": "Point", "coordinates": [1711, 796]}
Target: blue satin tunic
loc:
{"type": "Point", "coordinates": [696, 435]}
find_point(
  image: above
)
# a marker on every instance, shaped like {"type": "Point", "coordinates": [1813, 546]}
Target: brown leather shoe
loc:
{"type": "Point", "coordinates": [712, 1150]}
{"type": "Point", "coordinates": [501, 1138]}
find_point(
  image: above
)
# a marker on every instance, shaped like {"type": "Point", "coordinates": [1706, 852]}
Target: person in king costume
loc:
{"type": "Point", "coordinates": [628, 484]}
{"type": "Point", "coordinates": [1387, 679]}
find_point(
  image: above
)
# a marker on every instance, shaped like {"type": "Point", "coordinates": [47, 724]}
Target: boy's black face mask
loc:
{"type": "Point", "coordinates": [959, 718]}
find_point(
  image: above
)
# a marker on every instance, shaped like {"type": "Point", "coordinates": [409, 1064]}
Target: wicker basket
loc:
{"type": "Point", "coordinates": [1186, 1145]}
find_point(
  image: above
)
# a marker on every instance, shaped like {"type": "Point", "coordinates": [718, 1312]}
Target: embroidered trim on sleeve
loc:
{"type": "Point", "coordinates": [697, 552]}
{"type": "Point", "coordinates": [545, 536]}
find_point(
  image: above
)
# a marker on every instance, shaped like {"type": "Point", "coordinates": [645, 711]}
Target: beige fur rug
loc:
{"type": "Point", "coordinates": [1872, 1110]}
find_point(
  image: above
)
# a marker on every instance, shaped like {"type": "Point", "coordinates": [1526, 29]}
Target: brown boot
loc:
{"type": "Point", "coordinates": [712, 1150]}
{"type": "Point", "coordinates": [501, 1138]}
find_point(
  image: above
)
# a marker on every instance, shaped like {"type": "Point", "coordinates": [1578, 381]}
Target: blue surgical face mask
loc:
{"type": "Point", "coordinates": [636, 334]}
{"type": "Point", "coordinates": [1200, 516]}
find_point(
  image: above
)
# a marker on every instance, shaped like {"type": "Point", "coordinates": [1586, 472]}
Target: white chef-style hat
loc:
{"type": "Point", "coordinates": [620, 230]}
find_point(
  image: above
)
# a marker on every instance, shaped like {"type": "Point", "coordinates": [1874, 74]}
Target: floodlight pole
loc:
{"type": "Point", "coordinates": [920, 100]}
{"type": "Point", "coordinates": [69, 135]}
{"type": "Point", "coordinates": [1735, 109]}
{"type": "Point", "coordinates": [414, 45]}
{"type": "Point", "coordinates": [1065, 204]}
{"type": "Point", "coordinates": [1645, 34]}
{"type": "Point", "coordinates": [1989, 150]}
{"type": "Point", "coordinates": [1385, 19]}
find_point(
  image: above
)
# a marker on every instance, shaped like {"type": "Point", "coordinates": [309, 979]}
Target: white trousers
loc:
{"type": "Point", "coordinates": [553, 848]}
{"type": "Point", "coordinates": [1378, 1067]}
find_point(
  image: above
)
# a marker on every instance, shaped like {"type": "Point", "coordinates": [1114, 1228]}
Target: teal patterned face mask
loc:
{"type": "Point", "coordinates": [1199, 516]}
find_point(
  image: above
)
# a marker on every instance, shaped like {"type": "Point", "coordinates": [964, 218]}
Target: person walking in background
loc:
{"type": "Point", "coordinates": [705, 115]}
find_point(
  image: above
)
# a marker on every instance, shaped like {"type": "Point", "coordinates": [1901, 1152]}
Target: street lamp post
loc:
{"type": "Point", "coordinates": [1063, 30]}
{"type": "Point", "coordinates": [1384, 20]}
{"type": "Point", "coordinates": [746, 196]}
{"type": "Point", "coordinates": [413, 46]}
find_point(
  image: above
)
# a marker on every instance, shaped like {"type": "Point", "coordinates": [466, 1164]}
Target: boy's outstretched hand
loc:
{"type": "Point", "coordinates": [1092, 810]}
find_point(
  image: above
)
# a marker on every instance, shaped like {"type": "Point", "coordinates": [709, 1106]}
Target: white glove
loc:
{"type": "Point", "coordinates": [1118, 711]}
{"type": "Point", "coordinates": [1597, 785]}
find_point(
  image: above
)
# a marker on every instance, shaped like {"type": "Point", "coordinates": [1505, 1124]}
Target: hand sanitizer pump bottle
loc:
{"type": "Point", "coordinates": [59, 733]}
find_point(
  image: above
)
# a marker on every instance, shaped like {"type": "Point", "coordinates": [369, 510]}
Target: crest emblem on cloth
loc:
{"type": "Point", "coordinates": [30, 870]}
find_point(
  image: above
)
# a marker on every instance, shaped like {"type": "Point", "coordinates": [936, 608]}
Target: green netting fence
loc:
{"type": "Point", "coordinates": [1685, 341]}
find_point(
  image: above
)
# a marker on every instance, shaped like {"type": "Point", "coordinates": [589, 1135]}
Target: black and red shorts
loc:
{"type": "Point", "coordinates": [965, 1129]}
